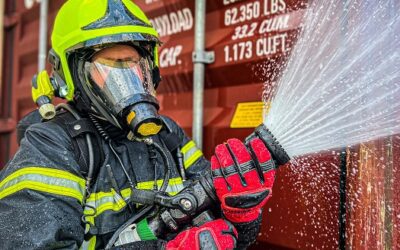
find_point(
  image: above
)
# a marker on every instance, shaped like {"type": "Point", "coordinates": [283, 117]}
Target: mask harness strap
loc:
{"type": "Point", "coordinates": [86, 191]}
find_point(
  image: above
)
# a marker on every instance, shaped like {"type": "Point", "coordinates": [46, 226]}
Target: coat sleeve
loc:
{"type": "Point", "coordinates": [193, 160]}
{"type": "Point", "coordinates": [41, 191]}
{"type": "Point", "coordinates": [197, 165]}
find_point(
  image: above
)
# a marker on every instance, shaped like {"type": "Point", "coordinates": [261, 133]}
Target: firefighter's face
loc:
{"type": "Point", "coordinates": [111, 57]}
{"type": "Point", "coordinates": [121, 79]}
{"type": "Point", "coordinates": [119, 73]}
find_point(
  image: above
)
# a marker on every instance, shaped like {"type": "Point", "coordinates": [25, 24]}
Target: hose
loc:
{"type": "Point", "coordinates": [107, 138]}
{"type": "Point", "coordinates": [167, 166]}
{"type": "Point", "coordinates": [99, 128]}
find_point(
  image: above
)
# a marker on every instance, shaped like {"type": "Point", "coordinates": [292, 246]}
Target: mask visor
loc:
{"type": "Point", "coordinates": [117, 81]}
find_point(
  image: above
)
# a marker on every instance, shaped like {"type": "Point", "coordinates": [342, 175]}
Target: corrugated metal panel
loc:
{"type": "Point", "coordinates": [373, 197]}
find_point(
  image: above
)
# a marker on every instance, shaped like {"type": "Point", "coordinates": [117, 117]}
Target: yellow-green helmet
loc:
{"type": "Point", "coordinates": [89, 23]}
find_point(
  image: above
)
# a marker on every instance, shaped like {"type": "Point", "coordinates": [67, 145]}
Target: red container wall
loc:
{"type": "Point", "coordinates": [373, 197]}
{"type": "Point", "coordinates": [251, 39]}
{"type": "Point", "coordinates": [20, 51]}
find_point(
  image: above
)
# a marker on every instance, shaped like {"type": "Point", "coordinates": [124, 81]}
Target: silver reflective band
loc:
{"type": "Point", "coordinates": [104, 201]}
{"type": "Point", "coordinates": [47, 180]}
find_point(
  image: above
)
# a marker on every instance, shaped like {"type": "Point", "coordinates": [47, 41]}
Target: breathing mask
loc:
{"type": "Point", "coordinates": [123, 86]}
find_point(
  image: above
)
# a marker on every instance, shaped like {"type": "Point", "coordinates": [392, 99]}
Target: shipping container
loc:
{"type": "Point", "coordinates": [335, 200]}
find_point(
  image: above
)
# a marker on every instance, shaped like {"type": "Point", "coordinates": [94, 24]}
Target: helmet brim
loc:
{"type": "Point", "coordinates": [117, 38]}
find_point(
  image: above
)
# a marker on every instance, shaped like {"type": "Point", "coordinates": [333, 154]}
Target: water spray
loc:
{"type": "Point", "coordinates": [341, 84]}
{"type": "Point", "coordinates": [341, 87]}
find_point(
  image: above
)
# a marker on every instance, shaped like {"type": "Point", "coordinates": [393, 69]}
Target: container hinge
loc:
{"type": "Point", "coordinates": [205, 57]}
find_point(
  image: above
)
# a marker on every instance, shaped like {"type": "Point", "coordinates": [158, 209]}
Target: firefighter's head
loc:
{"type": "Point", "coordinates": [104, 53]}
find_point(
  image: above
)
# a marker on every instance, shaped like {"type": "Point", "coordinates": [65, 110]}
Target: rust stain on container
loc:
{"type": "Point", "coordinates": [373, 196]}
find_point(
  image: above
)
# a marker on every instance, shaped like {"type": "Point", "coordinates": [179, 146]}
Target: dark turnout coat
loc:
{"type": "Point", "coordinates": [42, 187]}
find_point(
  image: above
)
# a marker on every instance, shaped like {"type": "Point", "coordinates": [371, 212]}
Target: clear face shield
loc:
{"type": "Point", "coordinates": [120, 80]}
{"type": "Point", "coordinates": [125, 86]}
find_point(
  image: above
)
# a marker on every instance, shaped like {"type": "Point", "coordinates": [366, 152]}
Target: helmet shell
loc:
{"type": "Point", "coordinates": [90, 23]}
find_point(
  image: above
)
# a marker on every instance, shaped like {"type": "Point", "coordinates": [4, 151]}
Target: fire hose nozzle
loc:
{"type": "Point", "coordinates": [278, 153]}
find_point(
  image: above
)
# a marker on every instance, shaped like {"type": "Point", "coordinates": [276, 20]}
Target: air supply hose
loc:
{"type": "Point", "coordinates": [164, 156]}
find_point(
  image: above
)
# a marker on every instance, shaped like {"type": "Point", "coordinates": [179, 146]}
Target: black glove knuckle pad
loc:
{"type": "Point", "coordinates": [247, 201]}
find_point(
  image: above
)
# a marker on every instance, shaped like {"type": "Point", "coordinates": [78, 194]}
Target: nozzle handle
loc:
{"type": "Point", "coordinates": [278, 153]}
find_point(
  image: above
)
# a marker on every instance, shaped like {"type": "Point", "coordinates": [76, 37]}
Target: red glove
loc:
{"type": "Point", "coordinates": [218, 234]}
{"type": "Point", "coordinates": [243, 178]}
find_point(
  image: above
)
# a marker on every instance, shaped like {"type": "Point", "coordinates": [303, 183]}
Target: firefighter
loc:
{"type": "Point", "coordinates": [58, 193]}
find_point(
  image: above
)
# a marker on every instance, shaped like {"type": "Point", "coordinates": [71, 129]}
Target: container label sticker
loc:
{"type": "Point", "coordinates": [248, 114]}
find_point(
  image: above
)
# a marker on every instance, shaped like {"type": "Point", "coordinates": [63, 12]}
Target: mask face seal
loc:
{"type": "Point", "coordinates": [124, 86]}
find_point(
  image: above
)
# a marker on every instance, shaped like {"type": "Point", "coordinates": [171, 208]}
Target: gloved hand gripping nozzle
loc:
{"type": "Point", "coordinates": [193, 205]}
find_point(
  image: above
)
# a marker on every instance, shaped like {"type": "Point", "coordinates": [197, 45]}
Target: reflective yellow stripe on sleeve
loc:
{"type": "Point", "coordinates": [111, 201]}
{"type": "Point", "coordinates": [190, 154]}
{"type": "Point", "coordinates": [175, 185]}
{"type": "Point", "coordinates": [46, 180]}
{"type": "Point", "coordinates": [104, 201]}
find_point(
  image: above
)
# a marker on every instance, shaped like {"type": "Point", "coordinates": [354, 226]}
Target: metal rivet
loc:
{"type": "Point", "coordinates": [187, 205]}
{"type": "Point", "coordinates": [77, 127]}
